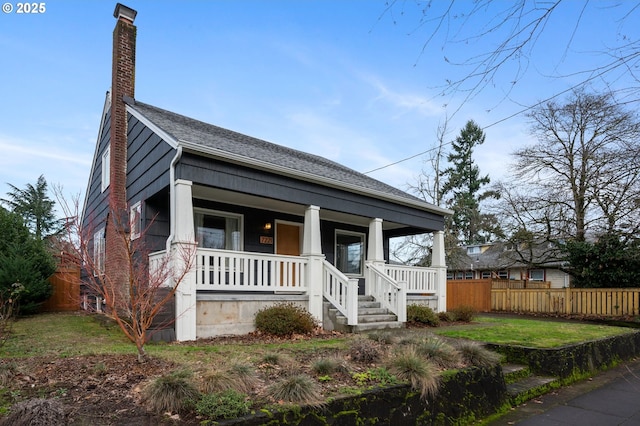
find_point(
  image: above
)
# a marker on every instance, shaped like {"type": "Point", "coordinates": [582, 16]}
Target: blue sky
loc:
{"type": "Point", "coordinates": [343, 79]}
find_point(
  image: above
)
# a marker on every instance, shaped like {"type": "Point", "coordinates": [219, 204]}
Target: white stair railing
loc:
{"type": "Point", "coordinates": [390, 293]}
{"type": "Point", "coordinates": [341, 292]}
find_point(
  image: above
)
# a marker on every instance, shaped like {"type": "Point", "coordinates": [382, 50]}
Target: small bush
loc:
{"type": "Point", "coordinates": [422, 315]}
{"type": "Point", "coordinates": [446, 317]}
{"type": "Point", "coordinates": [364, 351]}
{"type": "Point", "coordinates": [244, 377]}
{"type": "Point", "coordinates": [7, 373]}
{"type": "Point", "coordinates": [173, 393]}
{"type": "Point", "coordinates": [285, 319]}
{"type": "Point", "coordinates": [409, 366]}
{"type": "Point", "coordinates": [384, 337]}
{"type": "Point", "coordinates": [463, 313]}
{"type": "Point", "coordinates": [473, 354]}
{"type": "Point", "coordinates": [216, 381]}
{"type": "Point", "coordinates": [228, 404]}
{"type": "Point", "coordinates": [272, 358]}
{"type": "Point", "coordinates": [297, 389]}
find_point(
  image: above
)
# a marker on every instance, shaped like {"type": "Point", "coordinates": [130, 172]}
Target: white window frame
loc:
{"type": "Point", "coordinates": [469, 275]}
{"type": "Point", "coordinates": [135, 220]}
{"type": "Point", "coordinates": [531, 278]}
{"type": "Point", "coordinates": [99, 243]}
{"type": "Point", "coordinates": [363, 258]}
{"type": "Point", "coordinates": [486, 275]}
{"type": "Point", "coordinates": [106, 168]}
{"type": "Point", "coordinates": [226, 215]}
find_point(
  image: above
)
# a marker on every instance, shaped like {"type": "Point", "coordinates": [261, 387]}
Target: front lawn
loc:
{"type": "Point", "coordinates": [530, 332]}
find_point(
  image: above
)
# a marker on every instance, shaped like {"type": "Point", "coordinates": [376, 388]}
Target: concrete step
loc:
{"type": "Point", "coordinates": [514, 372]}
{"type": "Point", "coordinates": [370, 326]}
{"type": "Point", "coordinates": [367, 305]}
{"type": "Point", "coordinates": [529, 387]}
{"type": "Point", "coordinates": [372, 311]}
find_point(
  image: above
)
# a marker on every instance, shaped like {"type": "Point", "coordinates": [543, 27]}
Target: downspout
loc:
{"type": "Point", "coordinates": [172, 197]}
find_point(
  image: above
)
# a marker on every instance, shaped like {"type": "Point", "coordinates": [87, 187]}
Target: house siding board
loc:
{"type": "Point", "coordinates": [148, 162]}
{"type": "Point", "coordinates": [250, 181]}
{"type": "Point", "coordinates": [97, 205]}
{"type": "Point", "coordinates": [156, 221]}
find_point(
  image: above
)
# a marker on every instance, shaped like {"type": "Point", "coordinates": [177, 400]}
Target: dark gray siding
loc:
{"type": "Point", "coordinates": [97, 205]}
{"type": "Point", "coordinates": [236, 178]}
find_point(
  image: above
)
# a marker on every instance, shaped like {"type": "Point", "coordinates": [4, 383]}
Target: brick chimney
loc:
{"type": "Point", "coordinates": [122, 85]}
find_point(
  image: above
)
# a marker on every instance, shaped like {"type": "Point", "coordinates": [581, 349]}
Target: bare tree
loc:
{"type": "Point", "coordinates": [149, 287]}
{"type": "Point", "coordinates": [502, 38]}
{"type": "Point", "coordinates": [583, 174]}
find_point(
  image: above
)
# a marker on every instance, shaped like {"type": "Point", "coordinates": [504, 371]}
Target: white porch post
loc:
{"type": "Point", "coordinates": [312, 249]}
{"type": "Point", "coordinates": [375, 249]}
{"type": "Point", "coordinates": [438, 262]}
{"type": "Point", "coordinates": [184, 242]}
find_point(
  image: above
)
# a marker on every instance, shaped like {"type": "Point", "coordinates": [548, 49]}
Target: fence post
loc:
{"type": "Point", "coordinates": [508, 301]}
{"type": "Point", "coordinates": [567, 301]}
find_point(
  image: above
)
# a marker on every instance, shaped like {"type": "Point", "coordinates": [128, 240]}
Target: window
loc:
{"type": "Point", "coordinates": [536, 275]}
{"type": "Point", "coordinates": [459, 275]}
{"type": "Point", "coordinates": [218, 230]}
{"type": "Point", "coordinates": [486, 274]}
{"type": "Point", "coordinates": [106, 161]}
{"type": "Point", "coordinates": [350, 252]}
{"type": "Point", "coordinates": [98, 252]}
{"type": "Point", "coordinates": [473, 250]}
{"type": "Point", "coordinates": [468, 275]}
{"type": "Point", "coordinates": [135, 220]}
{"type": "Point", "coordinates": [449, 275]}
{"type": "Point", "coordinates": [503, 275]}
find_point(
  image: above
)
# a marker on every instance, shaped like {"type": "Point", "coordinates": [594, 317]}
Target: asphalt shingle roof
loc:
{"type": "Point", "coordinates": [209, 136]}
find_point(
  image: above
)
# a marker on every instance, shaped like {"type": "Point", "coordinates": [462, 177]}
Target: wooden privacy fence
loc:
{"type": "Point", "coordinates": [66, 289]}
{"type": "Point", "coordinates": [474, 293]}
{"type": "Point", "coordinates": [570, 301]}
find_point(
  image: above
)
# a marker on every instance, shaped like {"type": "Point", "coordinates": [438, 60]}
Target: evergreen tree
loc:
{"type": "Point", "coordinates": [462, 190]}
{"type": "Point", "coordinates": [35, 207]}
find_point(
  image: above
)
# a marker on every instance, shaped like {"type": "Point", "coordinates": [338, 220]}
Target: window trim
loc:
{"type": "Point", "coordinates": [106, 168]}
{"type": "Point", "coordinates": [537, 270]}
{"type": "Point", "coordinates": [135, 225]}
{"type": "Point", "coordinates": [99, 248]}
{"type": "Point", "coordinates": [363, 256]}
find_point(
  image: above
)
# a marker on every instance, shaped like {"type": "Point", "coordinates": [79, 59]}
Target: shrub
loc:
{"type": "Point", "coordinates": [173, 392]}
{"type": "Point", "coordinates": [446, 317]}
{"type": "Point", "coordinates": [440, 352]}
{"type": "Point", "coordinates": [228, 404]}
{"type": "Point", "coordinates": [297, 389]}
{"type": "Point", "coordinates": [473, 354]}
{"type": "Point", "coordinates": [285, 319]}
{"type": "Point", "coordinates": [422, 315]}
{"type": "Point", "coordinates": [463, 313]}
{"type": "Point", "coordinates": [365, 351]}
{"type": "Point", "coordinates": [421, 373]}
{"type": "Point", "coordinates": [384, 337]}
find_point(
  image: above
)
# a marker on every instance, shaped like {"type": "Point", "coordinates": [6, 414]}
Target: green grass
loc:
{"type": "Point", "coordinates": [532, 333]}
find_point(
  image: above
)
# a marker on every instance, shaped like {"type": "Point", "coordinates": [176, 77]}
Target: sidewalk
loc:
{"type": "Point", "coordinates": [608, 399]}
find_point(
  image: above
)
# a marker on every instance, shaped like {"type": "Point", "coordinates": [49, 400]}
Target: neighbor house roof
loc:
{"type": "Point", "coordinates": [198, 135]}
{"type": "Point", "coordinates": [502, 255]}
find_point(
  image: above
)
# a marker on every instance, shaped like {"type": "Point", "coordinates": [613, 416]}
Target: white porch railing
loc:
{"type": "Point", "coordinates": [341, 292]}
{"type": "Point", "coordinates": [418, 280]}
{"type": "Point", "coordinates": [387, 291]}
{"type": "Point", "coordinates": [248, 271]}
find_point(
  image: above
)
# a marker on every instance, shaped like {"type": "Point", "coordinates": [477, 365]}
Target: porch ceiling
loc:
{"type": "Point", "coordinates": [246, 200]}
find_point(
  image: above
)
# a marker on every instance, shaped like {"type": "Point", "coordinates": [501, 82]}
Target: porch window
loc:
{"type": "Point", "coordinates": [218, 230]}
{"type": "Point", "coordinates": [350, 252]}
{"type": "Point", "coordinates": [536, 275]}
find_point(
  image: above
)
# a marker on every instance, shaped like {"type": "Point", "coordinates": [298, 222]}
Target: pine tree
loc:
{"type": "Point", "coordinates": [462, 190]}
{"type": "Point", "coordinates": [35, 207]}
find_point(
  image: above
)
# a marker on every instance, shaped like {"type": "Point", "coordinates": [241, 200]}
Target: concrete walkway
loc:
{"type": "Point", "coordinates": [607, 399]}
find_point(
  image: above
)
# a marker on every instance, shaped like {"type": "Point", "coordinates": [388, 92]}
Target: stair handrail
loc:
{"type": "Point", "coordinates": [391, 294]}
{"type": "Point", "coordinates": [341, 291]}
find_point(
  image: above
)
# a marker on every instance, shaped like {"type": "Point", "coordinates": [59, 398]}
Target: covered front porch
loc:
{"type": "Point", "coordinates": [226, 287]}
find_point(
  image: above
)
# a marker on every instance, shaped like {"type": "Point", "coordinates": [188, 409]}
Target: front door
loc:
{"type": "Point", "coordinates": [288, 237]}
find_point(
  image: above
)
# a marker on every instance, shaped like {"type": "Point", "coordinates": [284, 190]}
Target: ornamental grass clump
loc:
{"type": "Point", "coordinates": [325, 366]}
{"type": "Point", "coordinates": [365, 351]}
{"type": "Point", "coordinates": [440, 352]}
{"type": "Point", "coordinates": [216, 381]}
{"type": "Point", "coordinates": [285, 319]}
{"type": "Point", "coordinates": [408, 365]}
{"type": "Point", "coordinates": [296, 389]}
{"type": "Point", "coordinates": [173, 392]}
{"type": "Point", "coordinates": [476, 355]}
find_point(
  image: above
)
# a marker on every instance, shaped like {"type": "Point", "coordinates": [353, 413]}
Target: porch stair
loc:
{"type": "Point", "coordinates": [371, 316]}
{"type": "Point", "coordinates": [523, 385]}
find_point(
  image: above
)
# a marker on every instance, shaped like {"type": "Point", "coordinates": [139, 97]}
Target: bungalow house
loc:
{"type": "Point", "coordinates": [269, 223]}
{"type": "Point", "coordinates": [538, 262]}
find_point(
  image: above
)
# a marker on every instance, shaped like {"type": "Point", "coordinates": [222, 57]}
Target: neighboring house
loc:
{"type": "Point", "coordinates": [271, 223]}
{"type": "Point", "coordinates": [504, 261]}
